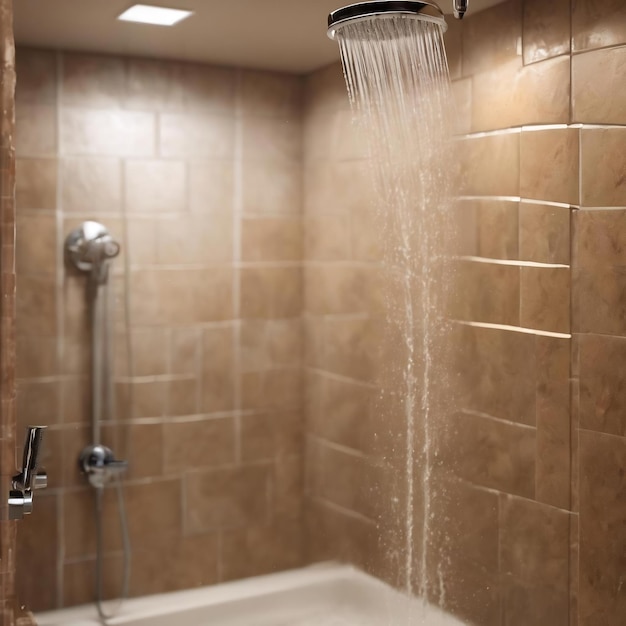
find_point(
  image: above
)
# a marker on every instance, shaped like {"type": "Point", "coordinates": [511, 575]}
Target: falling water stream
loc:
{"type": "Point", "coordinates": [397, 76]}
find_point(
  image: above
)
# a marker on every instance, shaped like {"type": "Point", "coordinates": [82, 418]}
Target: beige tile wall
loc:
{"type": "Point", "coordinates": [533, 464]}
{"type": "Point", "coordinates": [341, 252]}
{"type": "Point", "coordinates": [598, 75]}
{"type": "Point", "coordinates": [196, 169]}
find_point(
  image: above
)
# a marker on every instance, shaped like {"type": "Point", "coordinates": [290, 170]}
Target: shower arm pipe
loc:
{"type": "Point", "coordinates": [460, 8]}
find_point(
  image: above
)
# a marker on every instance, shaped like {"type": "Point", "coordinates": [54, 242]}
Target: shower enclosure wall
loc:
{"type": "Point", "coordinates": [194, 169]}
{"type": "Point", "coordinates": [244, 202]}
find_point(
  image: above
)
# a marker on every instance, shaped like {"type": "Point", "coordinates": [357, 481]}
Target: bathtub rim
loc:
{"type": "Point", "coordinates": [207, 596]}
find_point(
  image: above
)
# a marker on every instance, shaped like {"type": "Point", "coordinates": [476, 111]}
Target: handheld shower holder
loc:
{"type": "Point", "coordinates": [30, 478]}
{"type": "Point", "coordinates": [89, 248]}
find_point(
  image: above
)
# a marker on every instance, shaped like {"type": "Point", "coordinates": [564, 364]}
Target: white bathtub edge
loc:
{"type": "Point", "coordinates": [172, 602]}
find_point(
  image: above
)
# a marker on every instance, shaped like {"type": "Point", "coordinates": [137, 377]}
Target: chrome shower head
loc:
{"type": "Point", "coordinates": [425, 11]}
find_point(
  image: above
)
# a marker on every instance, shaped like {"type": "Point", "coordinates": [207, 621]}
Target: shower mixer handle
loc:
{"type": "Point", "coordinates": [30, 478]}
{"type": "Point", "coordinates": [100, 466]}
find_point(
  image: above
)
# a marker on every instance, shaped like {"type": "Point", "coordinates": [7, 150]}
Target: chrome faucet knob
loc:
{"type": "Point", "coordinates": [99, 464]}
{"type": "Point", "coordinates": [41, 480]}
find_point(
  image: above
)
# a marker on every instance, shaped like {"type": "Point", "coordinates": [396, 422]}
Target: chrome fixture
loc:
{"type": "Point", "coordinates": [30, 478]}
{"type": "Point", "coordinates": [460, 8]}
{"type": "Point", "coordinates": [426, 11]}
{"type": "Point", "coordinates": [98, 463]}
{"type": "Point", "coordinates": [90, 248]}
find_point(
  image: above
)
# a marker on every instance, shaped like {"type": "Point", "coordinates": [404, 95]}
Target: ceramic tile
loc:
{"type": "Point", "coordinates": [270, 94]}
{"type": "Point", "coordinates": [182, 135]}
{"type": "Point", "coordinates": [155, 186]}
{"type": "Point", "coordinates": [92, 80]}
{"type": "Point", "coordinates": [546, 29]}
{"type": "Point", "coordinates": [493, 454]}
{"type": "Point", "coordinates": [598, 95]}
{"type": "Point", "coordinates": [37, 71]}
{"type": "Point", "coordinates": [554, 428]}
{"type": "Point", "coordinates": [514, 94]}
{"type": "Point", "coordinates": [36, 130]}
{"type": "Point", "coordinates": [193, 444]}
{"type": "Point", "coordinates": [544, 233]}
{"type": "Point", "coordinates": [36, 184]}
{"type": "Point", "coordinates": [498, 373]}
{"type": "Point", "coordinates": [491, 165]}
{"type": "Point", "coordinates": [602, 167]}
{"type": "Point", "coordinates": [492, 37]}
{"type": "Point", "coordinates": [545, 299]}
{"type": "Point", "coordinates": [91, 185]}
{"type": "Point", "coordinates": [497, 223]}
{"type": "Point", "coordinates": [601, 393]}
{"type": "Point", "coordinates": [598, 24]}
{"type": "Point", "coordinates": [270, 292]}
{"type": "Point", "coordinates": [107, 132]}
{"type": "Point", "coordinates": [550, 165]}
{"type": "Point", "coordinates": [280, 550]}
{"type": "Point", "coordinates": [226, 498]}
{"type": "Point", "coordinates": [274, 239]}
{"type": "Point", "coordinates": [602, 461]}
{"type": "Point", "coordinates": [271, 187]}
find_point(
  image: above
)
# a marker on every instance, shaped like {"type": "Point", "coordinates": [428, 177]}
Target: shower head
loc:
{"type": "Point", "coordinates": [425, 11]}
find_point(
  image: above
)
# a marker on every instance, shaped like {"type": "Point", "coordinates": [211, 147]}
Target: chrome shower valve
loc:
{"type": "Point", "coordinates": [100, 466]}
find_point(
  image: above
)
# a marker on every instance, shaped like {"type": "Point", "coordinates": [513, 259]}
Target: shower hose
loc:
{"type": "Point", "coordinates": [100, 550]}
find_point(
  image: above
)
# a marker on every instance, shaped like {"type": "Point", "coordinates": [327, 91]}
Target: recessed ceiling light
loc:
{"type": "Point", "coordinates": [160, 16]}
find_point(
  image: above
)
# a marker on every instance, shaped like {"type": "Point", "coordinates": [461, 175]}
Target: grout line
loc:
{"type": "Point", "coordinates": [560, 205]}
{"type": "Point", "coordinates": [487, 260]}
{"type": "Point", "coordinates": [549, 203]}
{"type": "Point", "coordinates": [539, 127]}
{"type": "Point", "coordinates": [493, 418]}
{"type": "Point", "coordinates": [60, 348]}
{"type": "Point", "coordinates": [535, 127]}
{"type": "Point", "coordinates": [601, 433]}
{"type": "Point", "coordinates": [492, 198]}
{"type": "Point", "coordinates": [237, 255]}
{"type": "Point", "coordinates": [198, 362]}
{"type": "Point", "coordinates": [343, 510]}
{"type": "Point", "coordinates": [571, 66]}
{"type": "Point", "coordinates": [514, 130]}
{"type": "Point", "coordinates": [339, 377]}
{"type": "Point", "coordinates": [614, 46]}
{"type": "Point", "coordinates": [515, 329]}
{"type": "Point", "coordinates": [220, 549]}
{"type": "Point", "coordinates": [602, 208]}
{"type": "Point", "coordinates": [338, 447]}
{"type": "Point", "coordinates": [580, 170]}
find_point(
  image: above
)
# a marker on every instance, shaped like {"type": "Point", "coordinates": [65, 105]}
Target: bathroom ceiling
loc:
{"type": "Point", "coordinates": [285, 35]}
